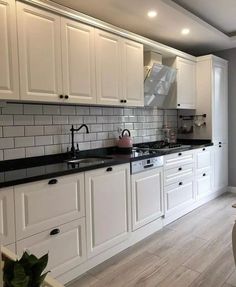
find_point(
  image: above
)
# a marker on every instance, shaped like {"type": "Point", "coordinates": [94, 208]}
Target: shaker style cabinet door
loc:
{"type": "Point", "coordinates": [220, 166]}
{"type": "Point", "coordinates": [78, 62]}
{"type": "Point", "coordinates": [132, 71]}
{"type": "Point", "coordinates": [39, 54]}
{"type": "Point", "coordinates": [9, 76]}
{"type": "Point", "coordinates": [108, 68]}
{"type": "Point", "coordinates": [107, 198]}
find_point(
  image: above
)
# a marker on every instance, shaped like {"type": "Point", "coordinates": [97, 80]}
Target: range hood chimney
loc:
{"type": "Point", "coordinates": [157, 79]}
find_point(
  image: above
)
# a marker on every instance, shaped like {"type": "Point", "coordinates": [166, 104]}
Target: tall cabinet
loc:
{"type": "Point", "coordinates": [212, 100]}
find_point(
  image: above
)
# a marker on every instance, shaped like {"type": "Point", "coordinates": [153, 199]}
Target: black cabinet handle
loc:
{"type": "Point", "coordinates": [52, 181]}
{"type": "Point", "coordinates": [220, 142]}
{"type": "Point", "coordinates": [179, 154]}
{"type": "Point", "coordinates": [109, 169]}
{"type": "Point", "coordinates": [122, 101]}
{"type": "Point", "coordinates": [178, 105]}
{"type": "Point", "coordinates": [180, 183]}
{"type": "Point", "coordinates": [55, 231]}
{"type": "Point", "coordinates": [125, 101]}
{"type": "Point", "coordinates": [66, 97]}
{"type": "Point", "coordinates": [203, 149]}
{"type": "Point", "coordinates": [219, 145]}
{"type": "Point", "coordinates": [61, 96]}
{"type": "Point", "coordinates": [204, 174]}
{"type": "Point", "coordinates": [180, 168]}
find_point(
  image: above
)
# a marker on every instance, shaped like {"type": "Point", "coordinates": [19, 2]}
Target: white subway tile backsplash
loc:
{"type": "Point", "coordinates": [13, 131]}
{"type": "Point", "coordinates": [32, 129]}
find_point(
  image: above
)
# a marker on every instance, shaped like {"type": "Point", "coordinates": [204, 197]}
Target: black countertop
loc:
{"type": "Point", "coordinates": [19, 171]}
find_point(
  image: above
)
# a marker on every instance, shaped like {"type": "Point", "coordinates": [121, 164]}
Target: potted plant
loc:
{"type": "Point", "coordinates": [25, 272]}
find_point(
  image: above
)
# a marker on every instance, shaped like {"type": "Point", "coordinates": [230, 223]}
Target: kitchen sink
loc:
{"type": "Point", "coordinates": [88, 160]}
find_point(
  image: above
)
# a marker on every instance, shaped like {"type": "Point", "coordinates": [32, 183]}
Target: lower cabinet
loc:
{"type": "Point", "coordinates": [147, 197]}
{"type": "Point", "coordinates": [220, 166]}
{"type": "Point", "coordinates": [65, 245]}
{"type": "Point", "coordinates": [7, 223]}
{"type": "Point", "coordinates": [107, 213]}
{"type": "Point", "coordinates": [179, 195]}
{"type": "Point", "coordinates": [204, 183]}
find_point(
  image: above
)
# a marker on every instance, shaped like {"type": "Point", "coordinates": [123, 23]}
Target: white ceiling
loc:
{"type": "Point", "coordinates": [211, 22]}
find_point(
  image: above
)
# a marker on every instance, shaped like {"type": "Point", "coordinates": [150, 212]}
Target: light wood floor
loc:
{"type": "Point", "coordinates": [193, 251]}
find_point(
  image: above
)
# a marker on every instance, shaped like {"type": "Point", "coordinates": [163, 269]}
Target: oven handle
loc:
{"type": "Point", "coordinates": [148, 165]}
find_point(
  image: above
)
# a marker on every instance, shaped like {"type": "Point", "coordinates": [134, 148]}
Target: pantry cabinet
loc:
{"type": "Point", "coordinates": [147, 197]}
{"type": "Point", "coordinates": [78, 62]}
{"type": "Point", "coordinates": [107, 207]}
{"type": "Point", "coordinates": [39, 43]}
{"type": "Point", "coordinates": [9, 74]}
{"type": "Point", "coordinates": [7, 222]}
{"type": "Point", "coordinates": [182, 94]}
{"type": "Point", "coordinates": [220, 166]}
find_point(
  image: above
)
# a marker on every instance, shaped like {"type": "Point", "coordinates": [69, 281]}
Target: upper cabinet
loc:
{"type": "Point", "coordinates": [212, 98]}
{"type": "Point", "coordinates": [39, 54]}
{"type": "Point", "coordinates": [119, 70]}
{"type": "Point", "coordinates": [62, 60]}
{"type": "Point", "coordinates": [182, 94]}
{"type": "Point", "coordinates": [9, 82]}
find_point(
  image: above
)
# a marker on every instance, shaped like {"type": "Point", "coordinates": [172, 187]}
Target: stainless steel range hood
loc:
{"type": "Point", "coordinates": [158, 80]}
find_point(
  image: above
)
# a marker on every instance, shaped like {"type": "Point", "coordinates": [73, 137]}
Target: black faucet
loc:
{"type": "Point", "coordinates": [73, 149]}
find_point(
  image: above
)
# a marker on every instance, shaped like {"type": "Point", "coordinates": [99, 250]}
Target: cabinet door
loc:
{"type": "Point", "coordinates": [204, 184]}
{"type": "Point", "coordinates": [7, 223]}
{"type": "Point", "coordinates": [39, 54]}
{"type": "Point", "coordinates": [132, 71]}
{"type": "Point", "coordinates": [107, 193]}
{"type": "Point", "coordinates": [78, 62]}
{"type": "Point", "coordinates": [186, 84]}
{"type": "Point", "coordinates": [108, 67]}
{"type": "Point", "coordinates": [9, 82]}
{"type": "Point", "coordinates": [203, 158]}
{"type": "Point", "coordinates": [220, 166]}
{"type": "Point", "coordinates": [179, 196]}
{"type": "Point", "coordinates": [220, 102]}
{"type": "Point", "coordinates": [147, 197]}
{"type": "Point", "coordinates": [66, 249]}
{"type": "Point", "coordinates": [42, 205]}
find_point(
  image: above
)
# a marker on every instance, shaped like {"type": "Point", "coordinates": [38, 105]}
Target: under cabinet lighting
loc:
{"type": "Point", "coordinates": [152, 13]}
{"type": "Point", "coordinates": [185, 31]}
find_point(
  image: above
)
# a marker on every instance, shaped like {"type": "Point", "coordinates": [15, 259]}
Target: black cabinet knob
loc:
{"type": "Point", "coordinates": [122, 101]}
{"type": "Point", "coordinates": [219, 145]}
{"type": "Point", "coordinates": [220, 142]}
{"type": "Point", "coordinates": [180, 168]}
{"type": "Point", "coordinates": [61, 96]}
{"type": "Point", "coordinates": [55, 231]}
{"type": "Point", "coordinates": [203, 149]}
{"type": "Point", "coordinates": [66, 97]}
{"type": "Point", "coordinates": [109, 169]}
{"type": "Point", "coordinates": [204, 174]}
{"type": "Point", "coordinates": [180, 183]}
{"type": "Point", "coordinates": [180, 153]}
{"type": "Point", "coordinates": [52, 181]}
{"type": "Point", "coordinates": [125, 101]}
{"type": "Point", "coordinates": [178, 105]}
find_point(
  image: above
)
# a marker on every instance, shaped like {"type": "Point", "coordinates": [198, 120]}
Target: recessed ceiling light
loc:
{"type": "Point", "coordinates": [185, 31]}
{"type": "Point", "coordinates": [152, 13]}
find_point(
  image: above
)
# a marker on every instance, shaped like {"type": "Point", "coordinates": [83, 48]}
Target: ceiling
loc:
{"type": "Point", "coordinates": [212, 23]}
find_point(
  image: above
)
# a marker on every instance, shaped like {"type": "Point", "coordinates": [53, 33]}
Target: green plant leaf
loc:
{"type": "Point", "coordinates": [41, 264]}
{"type": "Point", "coordinates": [20, 279]}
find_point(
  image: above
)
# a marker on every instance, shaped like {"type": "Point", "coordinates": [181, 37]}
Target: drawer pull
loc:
{"type": "Point", "coordinates": [55, 231]}
{"type": "Point", "coordinates": [180, 168]}
{"type": "Point", "coordinates": [180, 153]}
{"type": "Point", "coordinates": [219, 145]}
{"type": "Point", "coordinates": [180, 183]}
{"type": "Point", "coordinates": [204, 174]}
{"type": "Point", "coordinates": [52, 181]}
{"type": "Point", "coordinates": [203, 149]}
{"type": "Point", "coordinates": [220, 142]}
{"type": "Point", "coordinates": [148, 165]}
{"type": "Point", "coordinates": [109, 169]}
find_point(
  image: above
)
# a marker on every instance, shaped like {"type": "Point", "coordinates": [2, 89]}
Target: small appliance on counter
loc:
{"type": "Point", "coordinates": [125, 142]}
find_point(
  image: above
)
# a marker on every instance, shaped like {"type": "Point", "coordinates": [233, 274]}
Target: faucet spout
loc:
{"type": "Point", "coordinates": [73, 130]}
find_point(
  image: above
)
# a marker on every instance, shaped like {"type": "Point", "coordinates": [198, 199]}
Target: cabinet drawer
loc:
{"type": "Point", "coordinates": [66, 249]}
{"type": "Point", "coordinates": [179, 173]}
{"type": "Point", "coordinates": [178, 159]}
{"type": "Point", "coordinates": [203, 158]}
{"type": "Point", "coordinates": [42, 205]}
{"type": "Point", "coordinates": [178, 196]}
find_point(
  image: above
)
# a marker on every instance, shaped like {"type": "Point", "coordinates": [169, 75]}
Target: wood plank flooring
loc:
{"type": "Point", "coordinates": [194, 251]}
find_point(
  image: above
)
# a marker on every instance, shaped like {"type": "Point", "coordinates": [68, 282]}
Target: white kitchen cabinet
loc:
{"type": "Point", "coordinates": [43, 204]}
{"type": "Point", "coordinates": [204, 183]}
{"type": "Point", "coordinates": [7, 222]}
{"type": "Point", "coordinates": [220, 166]}
{"type": "Point", "coordinates": [107, 207]}
{"type": "Point", "coordinates": [119, 70]}
{"type": "Point", "coordinates": [39, 43]}
{"type": "Point", "coordinates": [132, 71]}
{"type": "Point", "coordinates": [66, 247]}
{"type": "Point", "coordinates": [78, 62]}
{"type": "Point", "coordinates": [179, 196]}
{"type": "Point", "coordinates": [178, 159]}
{"type": "Point", "coordinates": [212, 98]}
{"type": "Point", "coordinates": [9, 75]}
{"type": "Point", "coordinates": [147, 197]}
{"type": "Point", "coordinates": [203, 157]}
{"type": "Point", "coordinates": [182, 94]}
{"type": "Point", "coordinates": [178, 173]}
